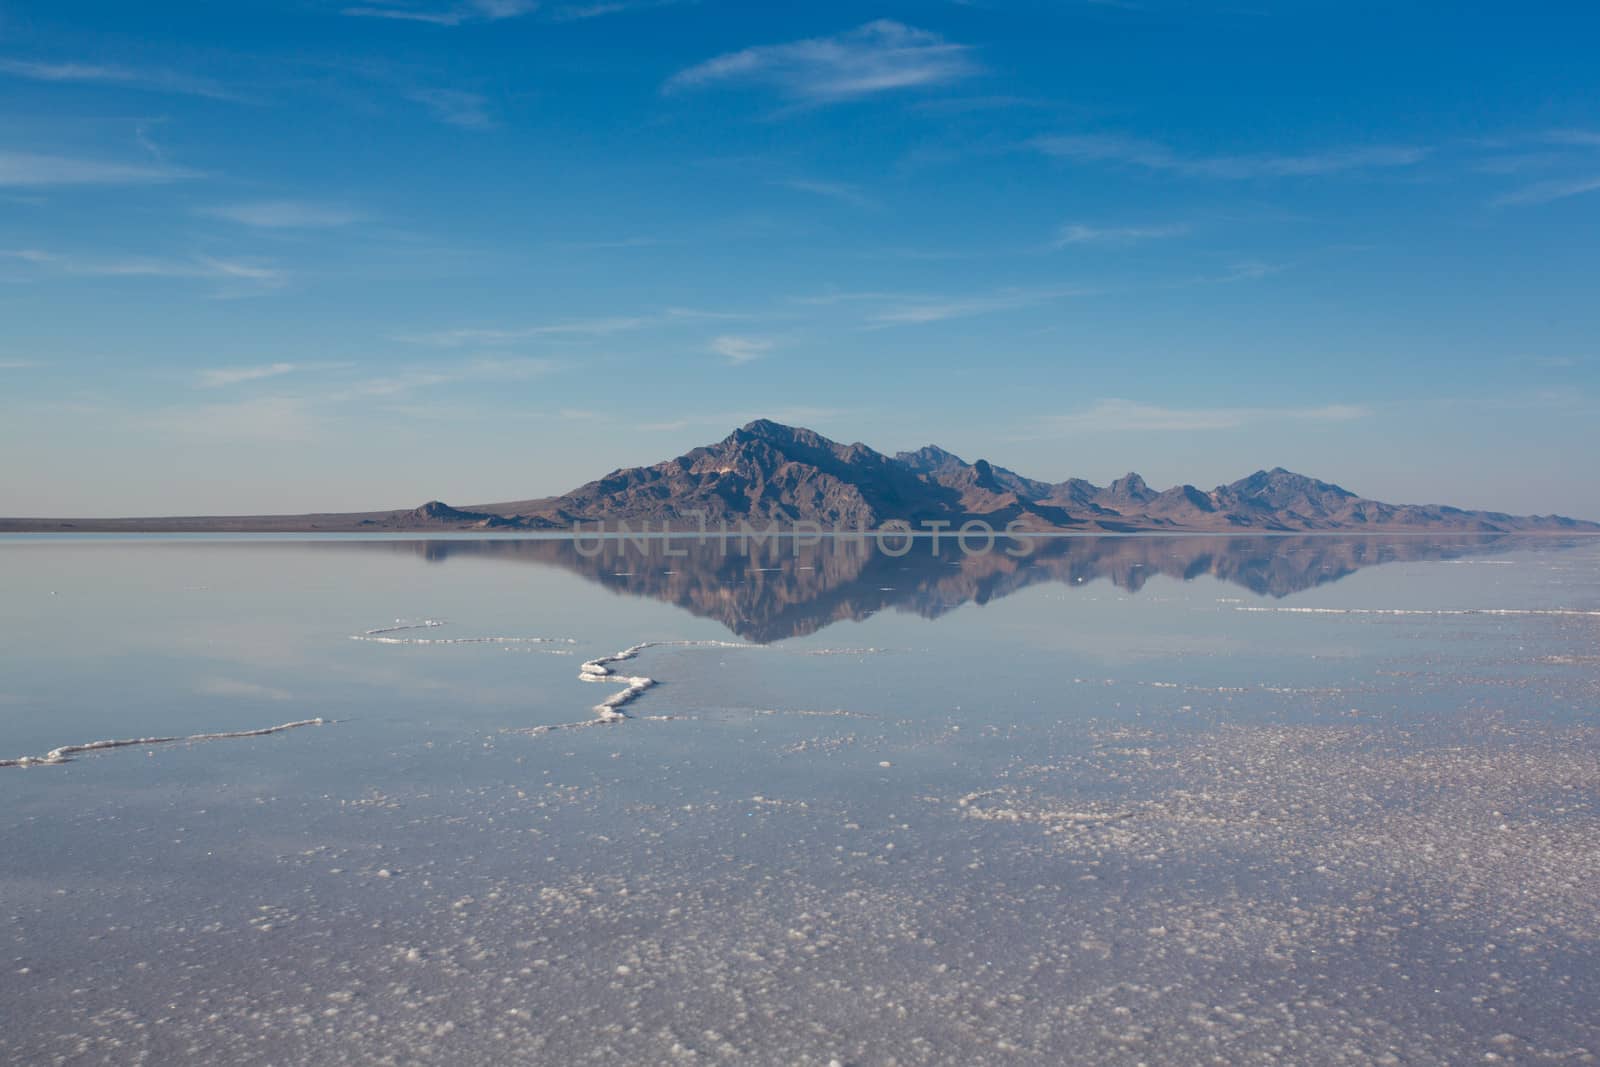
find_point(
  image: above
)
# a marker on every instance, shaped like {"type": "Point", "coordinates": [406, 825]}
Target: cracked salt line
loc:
{"type": "Point", "coordinates": [843, 651]}
{"type": "Point", "coordinates": [401, 624]}
{"type": "Point", "coordinates": [64, 754]}
{"type": "Point", "coordinates": [382, 636]}
{"type": "Point", "coordinates": [609, 711]}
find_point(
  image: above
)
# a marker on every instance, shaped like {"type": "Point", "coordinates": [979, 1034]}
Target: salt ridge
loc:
{"type": "Point", "coordinates": [609, 711]}
{"type": "Point", "coordinates": [65, 753]}
{"type": "Point", "coordinates": [381, 636]}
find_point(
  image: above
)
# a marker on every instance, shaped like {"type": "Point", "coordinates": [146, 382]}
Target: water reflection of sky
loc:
{"type": "Point", "coordinates": [1067, 755]}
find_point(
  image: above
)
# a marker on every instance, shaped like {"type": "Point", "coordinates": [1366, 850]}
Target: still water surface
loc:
{"type": "Point", "coordinates": [1128, 799]}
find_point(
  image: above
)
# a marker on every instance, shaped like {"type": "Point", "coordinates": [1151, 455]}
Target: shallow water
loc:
{"type": "Point", "coordinates": [1136, 799]}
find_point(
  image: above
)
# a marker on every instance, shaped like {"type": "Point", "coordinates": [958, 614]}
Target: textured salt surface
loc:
{"type": "Point", "coordinates": [1245, 895]}
{"type": "Point", "coordinates": [65, 753]}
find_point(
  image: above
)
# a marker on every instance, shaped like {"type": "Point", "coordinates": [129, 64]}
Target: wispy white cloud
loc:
{"type": "Point", "coordinates": [412, 379]}
{"type": "Point", "coordinates": [205, 268]}
{"type": "Point", "coordinates": [1077, 233]}
{"type": "Point", "coordinates": [938, 309]}
{"type": "Point", "coordinates": [840, 191]}
{"type": "Point", "coordinates": [962, 105]}
{"type": "Point", "coordinates": [508, 370]}
{"type": "Point", "coordinates": [286, 416]}
{"type": "Point", "coordinates": [165, 81]}
{"type": "Point", "coordinates": [284, 214]}
{"type": "Point", "coordinates": [859, 296]}
{"type": "Point", "coordinates": [739, 350]}
{"type": "Point", "coordinates": [615, 243]}
{"type": "Point", "coordinates": [456, 107]}
{"type": "Point", "coordinates": [1554, 400]}
{"type": "Point", "coordinates": [1558, 362]}
{"type": "Point", "coordinates": [595, 327]}
{"type": "Point", "coordinates": [1245, 270]}
{"type": "Point", "coordinates": [1151, 155]}
{"type": "Point", "coordinates": [142, 134]}
{"type": "Point", "coordinates": [437, 18]}
{"type": "Point", "coordinates": [1129, 416]}
{"type": "Point", "coordinates": [220, 377]}
{"type": "Point", "coordinates": [235, 270]}
{"type": "Point", "coordinates": [470, 11]}
{"type": "Point", "coordinates": [880, 56]}
{"type": "Point", "coordinates": [1519, 162]}
{"type": "Point", "coordinates": [444, 14]}
{"type": "Point", "coordinates": [475, 335]}
{"type": "Point", "coordinates": [231, 279]}
{"type": "Point", "coordinates": [405, 381]}
{"type": "Point", "coordinates": [1575, 138]}
{"type": "Point", "coordinates": [1569, 150]}
{"type": "Point", "coordinates": [686, 314]}
{"type": "Point", "coordinates": [30, 169]}
{"type": "Point", "coordinates": [580, 12]}
{"type": "Point", "coordinates": [17, 364]}
{"type": "Point", "coordinates": [1554, 189]}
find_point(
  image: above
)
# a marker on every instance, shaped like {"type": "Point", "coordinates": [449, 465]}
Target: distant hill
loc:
{"type": "Point", "coordinates": [767, 472]}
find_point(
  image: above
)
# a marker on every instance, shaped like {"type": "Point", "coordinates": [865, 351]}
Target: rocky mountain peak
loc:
{"type": "Point", "coordinates": [1130, 487]}
{"type": "Point", "coordinates": [1278, 486]}
{"type": "Point", "coordinates": [929, 458]}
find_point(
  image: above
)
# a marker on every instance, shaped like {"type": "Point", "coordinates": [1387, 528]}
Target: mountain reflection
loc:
{"type": "Point", "coordinates": [787, 588]}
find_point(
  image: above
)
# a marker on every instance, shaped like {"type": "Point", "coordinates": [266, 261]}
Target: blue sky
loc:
{"type": "Point", "coordinates": [305, 255]}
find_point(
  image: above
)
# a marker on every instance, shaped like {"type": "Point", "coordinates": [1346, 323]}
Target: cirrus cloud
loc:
{"type": "Point", "coordinates": [880, 56]}
{"type": "Point", "coordinates": [456, 107]}
{"type": "Point", "coordinates": [1080, 234]}
{"type": "Point", "coordinates": [32, 169]}
{"type": "Point", "coordinates": [70, 72]}
{"type": "Point", "coordinates": [1129, 416]}
{"type": "Point", "coordinates": [739, 350]}
{"type": "Point", "coordinates": [1151, 155]}
{"type": "Point", "coordinates": [1555, 189]}
{"type": "Point", "coordinates": [284, 214]}
{"type": "Point", "coordinates": [218, 377]}
{"type": "Point", "coordinates": [444, 15]}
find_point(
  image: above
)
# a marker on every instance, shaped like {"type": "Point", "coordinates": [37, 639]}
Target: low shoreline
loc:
{"type": "Point", "coordinates": [341, 524]}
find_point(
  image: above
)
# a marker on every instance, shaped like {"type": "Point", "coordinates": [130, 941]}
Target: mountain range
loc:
{"type": "Point", "coordinates": [766, 472]}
